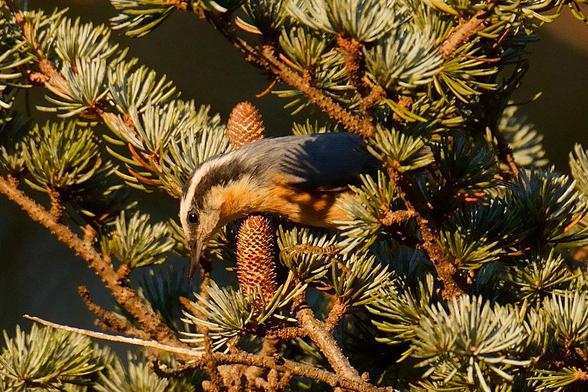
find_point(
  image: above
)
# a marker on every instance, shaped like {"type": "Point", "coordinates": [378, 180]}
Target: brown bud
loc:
{"type": "Point", "coordinates": [245, 125]}
{"type": "Point", "coordinates": [256, 265]}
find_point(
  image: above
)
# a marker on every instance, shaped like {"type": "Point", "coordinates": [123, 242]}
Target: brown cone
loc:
{"type": "Point", "coordinates": [256, 268]}
{"type": "Point", "coordinates": [245, 125]}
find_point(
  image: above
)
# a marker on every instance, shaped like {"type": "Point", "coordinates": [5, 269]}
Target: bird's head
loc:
{"type": "Point", "coordinates": [220, 190]}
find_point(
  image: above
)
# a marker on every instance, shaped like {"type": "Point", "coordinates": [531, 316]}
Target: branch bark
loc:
{"type": "Point", "coordinates": [336, 314]}
{"type": "Point", "coordinates": [243, 358]}
{"type": "Point", "coordinates": [446, 270]}
{"type": "Point", "coordinates": [123, 295]}
{"type": "Point", "coordinates": [108, 319]}
{"type": "Point", "coordinates": [463, 33]}
{"type": "Point", "coordinates": [359, 125]}
{"type": "Point", "coordinates": [264, 57]}
{"type": "Point", "coordinates": [318, 332]}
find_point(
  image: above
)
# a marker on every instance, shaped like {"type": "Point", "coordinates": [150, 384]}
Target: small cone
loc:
{"type": "Point", "coordinates": [245, 125]}
{"type": "Point", "coordinates": [256, 268]}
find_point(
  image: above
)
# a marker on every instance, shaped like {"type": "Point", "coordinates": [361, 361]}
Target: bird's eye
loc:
{"type": "Point", "coordinates": [192, 217]}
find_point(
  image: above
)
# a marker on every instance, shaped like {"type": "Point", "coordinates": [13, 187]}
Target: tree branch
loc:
{"type": "Point", "coordinates": [197, 358]}
{"type": "Point", "coordinates": [109, 319]}
{"type": "Point", "coordinates": [390, 218]}
{"type": "Point", "coordinates": [505, 152]}
{"type": "Point", "coordinates": [123, 295]}
{"type": "Point", "coordinates": [463, 33]}
{"type": "Point", "coordinates": [336, 314]}
{"type": "Point", "coordinates": [265, 58]}
{"type": "Point", "coordinates": [318, 332]}
{"type": "Point", "coordinates": [354, 124]}
{"type": "Point", "coordinates": [446, 270]}
{"type": "Point", "coordinates": [51, 78]}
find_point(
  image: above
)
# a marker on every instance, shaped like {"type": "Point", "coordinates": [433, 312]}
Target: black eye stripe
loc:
{"type": "Point", "coordinates": [192, 217]}
{"type": "Point", "coordinates": [221, 175]}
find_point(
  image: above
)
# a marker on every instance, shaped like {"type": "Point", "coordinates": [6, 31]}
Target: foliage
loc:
{"type": "Point", "coordinates": [48, 359]}
{"type": "Point", "coordinates": [461, 261]}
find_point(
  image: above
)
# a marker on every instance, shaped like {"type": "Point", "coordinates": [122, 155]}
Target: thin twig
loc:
{"type": "Point", "coordinates": [318, 332]}
{"type": "Point", "coordinates": [89, 234]}
{"type": "Point", "coordinates": [505, 151]}
{"type": "Point", "coordinates": [268, 349]}
{"type": "Point", "coordinates": [286, 333]}
{"type": "Point", "coordinates": [446, 270]}
{"type": "Point", "coordinates": [463, 33]}
{"type": "Point", "coordinates": [244, 358]}
{"type": "Point", "coordinates": [216, 380]}
{"type": "Point", "coordinates": [109, 319]}
{"type": "Point", "coordinates": [268, 89]}
{"type": "Point", "coordinates": [390, 218]}
{"type": "Point", "coordinates": [358, 125]}
{"type": "Point", "coordinates": [284, 381]}
{"type": "Point", "coordinates": [336, 314]}
{"type": "Point", "coordinates": [264, 57]}
{"type": "Point", "coordinates": [57, 208]}
{"type": "Point", "coordinates": [351, 50]}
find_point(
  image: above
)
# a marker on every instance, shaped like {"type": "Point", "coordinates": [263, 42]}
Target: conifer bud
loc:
{"type": "Point", "coordinates": [245, 125]}
{"type": "Point", "coordinates": [256, 268]}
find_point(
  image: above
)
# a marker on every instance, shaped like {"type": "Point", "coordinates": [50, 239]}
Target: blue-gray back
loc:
{"type": "Point", "coordinates": [321, 162]}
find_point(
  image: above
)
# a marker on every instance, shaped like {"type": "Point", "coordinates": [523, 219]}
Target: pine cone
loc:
{"type": "Point", "coordinates": [256, 268]}
{"type": "Point", "coordinates": [245, 125]}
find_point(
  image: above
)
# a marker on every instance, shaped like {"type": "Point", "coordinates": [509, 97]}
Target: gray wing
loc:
{"type": "Point", "coordinates": [321, 162]}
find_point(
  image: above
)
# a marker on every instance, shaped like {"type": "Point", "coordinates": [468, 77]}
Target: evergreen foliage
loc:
{"type": "Point", "coordinates": [462, 265]}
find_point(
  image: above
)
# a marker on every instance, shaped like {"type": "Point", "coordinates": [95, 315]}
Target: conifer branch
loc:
{"type": "Point", "coordinates": [109, 319]}
{"type": "Point", "coordinates": [390, 218]}
{"type": "Point", "coordinates": [505, 152]}
{"type": "Point", "coordinates": [376, 94]}
{"type": "Point", "coordinates": [211, 366]}
{"type": "Point", "coordinates": [351, 49]}
{"type": "Point", "coordinates": [268, 349]}
{"type": "Point", "coordinates": [359, 125]}
{"type": "Point", "coordinates": [319, 333]}
{"type": "Point", "coordinates": [463, 33]}
{"type": "Point", "coordinates": [264, 57]}
{"type": "Point", "coordinates": [56, 210]}
{"type": "Point", "coordinates": [123, 295]}
{"type": "Point", "coordinates": [52, 79]}
{"type": "Point", "coordinates": [446, 270]}
{"type": "Point", "coordinates": [239, 357]}
{"type": "Point", "coordinates": [336, 314]}
{"type": "Point", "coordinates": [286, 333]}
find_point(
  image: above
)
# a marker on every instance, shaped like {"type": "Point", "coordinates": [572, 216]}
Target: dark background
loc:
{"type": "Point", "coordinates": [39, 275]}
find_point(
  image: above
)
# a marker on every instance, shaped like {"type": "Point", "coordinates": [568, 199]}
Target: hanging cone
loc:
{"type": "Point", "coordinates": [245, 125]}
{"type": "Point", "coordinates": [256, 267]}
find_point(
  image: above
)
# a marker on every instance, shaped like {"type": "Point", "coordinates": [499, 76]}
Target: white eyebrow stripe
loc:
{"type": "Point", "coordinates": [186, 202]}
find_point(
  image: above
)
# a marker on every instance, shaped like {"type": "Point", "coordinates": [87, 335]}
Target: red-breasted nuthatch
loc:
{"type": "Point", "coordinates": [302, 178]}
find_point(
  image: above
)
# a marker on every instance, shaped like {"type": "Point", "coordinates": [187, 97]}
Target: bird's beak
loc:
{"type": "Point", "coordinates": [195, 257]}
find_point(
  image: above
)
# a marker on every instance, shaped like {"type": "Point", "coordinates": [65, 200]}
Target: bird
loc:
{"type": "Point", "coordinates": [305, 179]}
